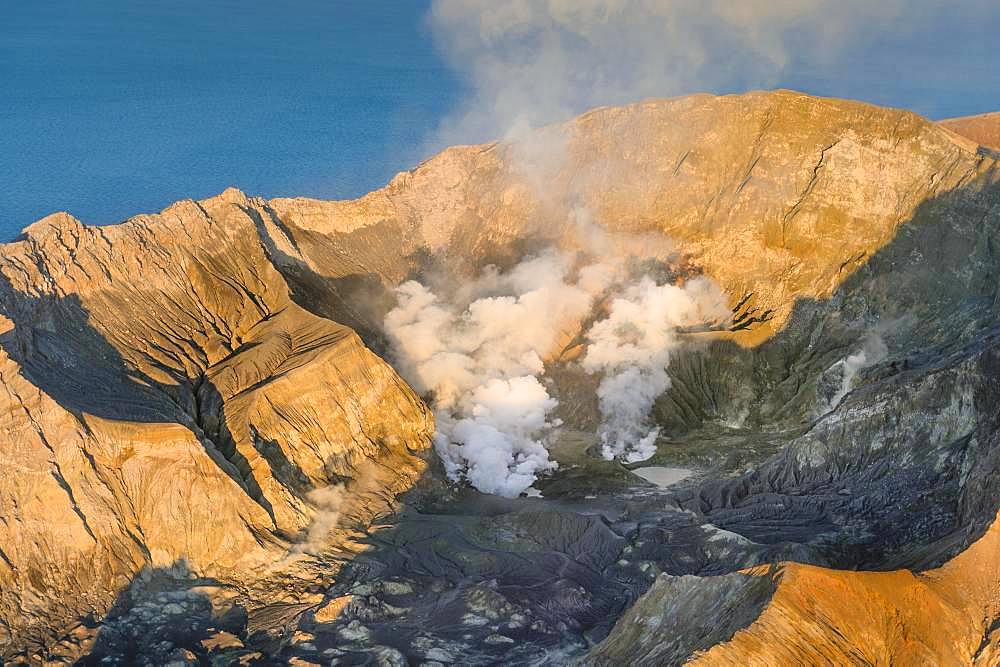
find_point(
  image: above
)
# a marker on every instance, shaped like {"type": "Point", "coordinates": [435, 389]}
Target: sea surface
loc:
{"type": "Point", "coordinates": [109, 108]}
{"type": "Point", "coordinates": [118, 107]}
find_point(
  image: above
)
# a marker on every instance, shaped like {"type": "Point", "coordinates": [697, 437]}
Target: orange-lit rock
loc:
{"type": "Point", "coordinates": [984, 129]}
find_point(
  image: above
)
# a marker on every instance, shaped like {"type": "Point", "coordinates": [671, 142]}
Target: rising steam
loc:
{"type": "Point", "coordinates": [532, 62]}
{"type": "Point", "coordinates": [328, 502]}
{"type": "Point", "coordinates": [872, 351]}
{"type": "Point", "coordinates": [479, 352]}
{"type": "Point", "coordinates": [632, 348]}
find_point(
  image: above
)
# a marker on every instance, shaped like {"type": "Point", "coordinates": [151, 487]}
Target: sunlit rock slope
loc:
{"type": "Point", "coordinates": [165, 400]}
{"type": "Point", "coordinates": [984, 129]}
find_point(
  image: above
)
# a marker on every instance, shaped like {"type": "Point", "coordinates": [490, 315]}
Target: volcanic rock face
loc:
{"type": "Point", "coordinates": [167, 401]}
{"type": "Point", "coordinates": [187, 401]}
{"type": "Point", "coordinates": [803, 614]}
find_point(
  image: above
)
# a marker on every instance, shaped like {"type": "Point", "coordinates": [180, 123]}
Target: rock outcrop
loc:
{"type": "Point", "coordinates": [942, 616]}
{"type": "Point", "coordinates": [187, 394]}
{"type": "Point", "coordinates": [167, 401]}
{"type": "Point", "coordinates": [806, 615]}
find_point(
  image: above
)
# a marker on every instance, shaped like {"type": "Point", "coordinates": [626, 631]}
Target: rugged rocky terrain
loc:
{"type": "Point", "coordinates": [209, 457]}
{"type": "Point", "coordinates": [168, 402]}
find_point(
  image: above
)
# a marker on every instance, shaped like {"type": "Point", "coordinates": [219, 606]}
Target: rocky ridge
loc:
{"type": "Point", "coordinates": [167, 401]}
{"type": "Point", "coordinates": [984, 129]}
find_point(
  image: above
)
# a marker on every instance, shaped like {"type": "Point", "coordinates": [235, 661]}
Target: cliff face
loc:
{"type": "Point", "coordinates": [820, 616]}
{"type": "Point", "coordinates": [186, 391]}
{"type": "Point", "coordinates": [167, 401]}
{"type": "Point", "coordinates": [802, 614]}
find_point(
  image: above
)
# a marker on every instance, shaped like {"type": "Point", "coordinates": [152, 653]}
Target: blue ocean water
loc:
{"type": "Point", "coordinates": [110, 108]}
{"type": "Point", "coordinates": [117, 107]}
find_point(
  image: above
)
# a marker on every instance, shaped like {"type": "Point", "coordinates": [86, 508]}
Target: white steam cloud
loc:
{"type": "Point", "coordinates": [632, 348]}
{"type": "Point", "coordinates": [480, 350]}
{"type": "Point", "coordinates": [480, 353]}
{"type": "Point", "coordinates": [531, 62]}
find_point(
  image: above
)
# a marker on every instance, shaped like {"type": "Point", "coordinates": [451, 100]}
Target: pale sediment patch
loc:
{"type": "Point", "coordinates": [663, 476]}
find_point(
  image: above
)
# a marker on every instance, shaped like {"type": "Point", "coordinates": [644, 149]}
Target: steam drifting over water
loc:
{"type": "Point", "coordinates": [533, 62]}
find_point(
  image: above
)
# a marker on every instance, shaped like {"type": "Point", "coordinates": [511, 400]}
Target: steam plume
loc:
{"type": "Point", "coordinates": [632, 348]}
{"type": "Point", "coordinates": [532, 62]}
{"type": "Point", "coordinates": [872, 352]}
{"type": "Point", "coordinates": [328, 501]}
{"type": "Point", "coordinates": [480, 354]}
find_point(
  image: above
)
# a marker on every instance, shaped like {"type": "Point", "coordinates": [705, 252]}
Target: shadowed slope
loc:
{"type": "Point", "coordinates": [900, 473]}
